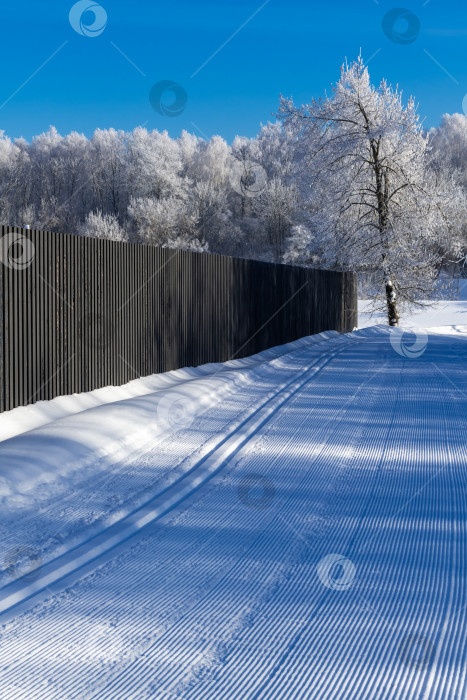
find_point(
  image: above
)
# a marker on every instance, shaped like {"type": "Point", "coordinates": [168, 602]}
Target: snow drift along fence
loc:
{"type": "Point", "coordinates": [77, 314]}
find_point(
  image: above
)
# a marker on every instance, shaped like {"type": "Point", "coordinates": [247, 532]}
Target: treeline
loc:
{"type": "Point", "coordinates": [254, 198]}
{"type": "Point", "coordinates": [144, 186]}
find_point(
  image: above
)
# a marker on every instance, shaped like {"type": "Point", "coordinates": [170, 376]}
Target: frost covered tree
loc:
{"type": "Point", "coordinates": [164, 222]}
{"type": "Point", "coordinates": [107, 167]}
{"type": "Point", "coordinates": [276, 206]}
{"type": "Point", "coordinates": [263, 198]}
{"type": "Point", "coordinates": [365, 163]}
{"type": "Point", "coordinates": [448, 143]}
{"type": "Point", "coordinates": [99, 225]}
{"type": "Point", "coordinates": [207, 186]}
{"type": "Point", "coordinates": [448, 160]}
{"type": "Point", "coordinates": [12, 196]}
{"type": "Point", "coordinates": [154, 165]}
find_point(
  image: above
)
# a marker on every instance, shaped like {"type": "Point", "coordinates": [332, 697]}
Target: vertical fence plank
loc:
{"type": "Point", "coordinates": [2, 332]}
{"type": "Point", "coordinates": [77, 291]}
{"type": "Point", "coordinates": [15, 339]}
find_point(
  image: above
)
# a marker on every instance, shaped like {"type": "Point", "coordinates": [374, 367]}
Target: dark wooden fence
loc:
{"type": "Point", "coordinates": [77, 314]}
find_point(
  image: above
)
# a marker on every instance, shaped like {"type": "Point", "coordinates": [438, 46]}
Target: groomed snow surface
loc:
{"type": "Point", "coordinates": [291, 525]}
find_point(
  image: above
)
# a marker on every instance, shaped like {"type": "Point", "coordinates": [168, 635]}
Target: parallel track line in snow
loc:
{"type": "Point", "coordinates": [215, 599]}
{"type": "Point", "coordinates": [93, 549]}
{"type": "Point", "coordinates": [77, 506]}
{"type": "Point", "coordinates": [116, 691]}
{"type": "Point", "coordinates": [135, 582]}
{"type": "Point", "coordinates": [102, 612]}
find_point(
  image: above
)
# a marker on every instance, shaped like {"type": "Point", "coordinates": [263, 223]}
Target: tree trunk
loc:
{"type": "Point", "coordinates": [382, 196]}
{"type": "Point", "coordinates": [391, 304]}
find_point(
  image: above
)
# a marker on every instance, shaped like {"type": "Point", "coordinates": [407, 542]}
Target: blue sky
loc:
{"type": "Point", "coordinates": [52, 74]}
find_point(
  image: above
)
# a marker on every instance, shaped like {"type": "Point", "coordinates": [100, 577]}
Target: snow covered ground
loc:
{"type": "Point", "coordinates": [451, 312]}
{"type": "Point", "coordinates": [291, 525]}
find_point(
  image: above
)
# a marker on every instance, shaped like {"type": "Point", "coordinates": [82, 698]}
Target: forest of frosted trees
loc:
{"type": "Point", "coordinates": [344, 182]}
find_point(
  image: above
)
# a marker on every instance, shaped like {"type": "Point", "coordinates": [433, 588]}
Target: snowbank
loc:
{"type": "Point", "coordinates": [53, 444]}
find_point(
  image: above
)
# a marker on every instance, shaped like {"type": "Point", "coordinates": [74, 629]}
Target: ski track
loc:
{"type": "Point", "coordinates": [363, 453]}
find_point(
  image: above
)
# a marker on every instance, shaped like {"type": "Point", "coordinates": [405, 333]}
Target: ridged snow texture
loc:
{"type": "Point", "coordinates": [210, 576]}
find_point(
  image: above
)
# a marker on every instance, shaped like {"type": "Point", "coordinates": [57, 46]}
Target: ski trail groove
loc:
{"type": "Point", "coordinates": [118, 533]}
{"type": "Point", "coordinates": [212, 598]}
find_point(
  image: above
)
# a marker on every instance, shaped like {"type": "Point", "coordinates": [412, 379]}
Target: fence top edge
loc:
{"type": "Point", "coordinates": [175, 252]}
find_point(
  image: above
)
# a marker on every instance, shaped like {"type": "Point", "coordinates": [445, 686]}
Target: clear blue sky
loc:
{"type": "Point", "coordinates": [294, 47]}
